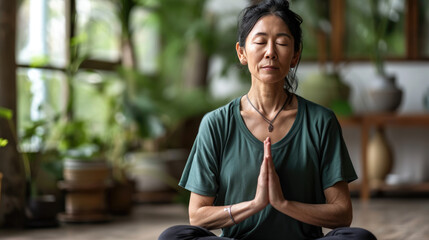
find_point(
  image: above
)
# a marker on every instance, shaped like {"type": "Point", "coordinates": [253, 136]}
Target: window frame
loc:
{"type": "Point", "coordinates": [337, 37]}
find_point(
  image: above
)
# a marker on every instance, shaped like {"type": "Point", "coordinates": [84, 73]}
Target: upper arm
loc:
{"type": "Point", "coordinates": [339, 196]}
{"type": "Point", "coordinates": [197, 201]}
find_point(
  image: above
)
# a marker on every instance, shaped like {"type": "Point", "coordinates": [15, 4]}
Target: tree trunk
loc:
{"type": "Point", "coordinates": [13, 189]}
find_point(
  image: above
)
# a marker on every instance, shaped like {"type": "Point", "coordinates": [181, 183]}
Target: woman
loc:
{"type": "Point", "coordinates": [270, 164]}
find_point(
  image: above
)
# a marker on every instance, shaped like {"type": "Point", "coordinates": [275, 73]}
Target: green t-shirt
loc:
{"type": "Point", "coordinates": [225, 161]}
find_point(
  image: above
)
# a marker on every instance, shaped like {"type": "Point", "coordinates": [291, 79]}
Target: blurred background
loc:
{"type": "Point", "coordinates": [100, 100]}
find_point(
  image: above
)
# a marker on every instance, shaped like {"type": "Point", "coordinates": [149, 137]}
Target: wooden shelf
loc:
{"type": "Point", "coordinates": [368, 121]}
{"type": "Point", "coordinates": [399, 189]}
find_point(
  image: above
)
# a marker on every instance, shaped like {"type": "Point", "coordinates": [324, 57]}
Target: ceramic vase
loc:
{"type": "Point", "coordinates": [328, 90]}
{"type": "Point", "coordinates": [379, 159]}
{"type": "Point", "coordinates": [384, 95]}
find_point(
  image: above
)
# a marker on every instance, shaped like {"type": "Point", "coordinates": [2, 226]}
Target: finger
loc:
{"type": "Point", "coordinates": [263, 172]}
{"type": "Point", "coordinates": [267, 147]}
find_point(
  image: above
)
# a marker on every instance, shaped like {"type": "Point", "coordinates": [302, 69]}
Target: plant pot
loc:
{"type": "Point", "coordinates": [156, 174]}
{"type": "Point", "coordinates": [384, 95]}
{"type": "Point", "coordinates": [85, 183]}
{"type": "Point", "coordinates": [86, 171]}
{"type": "Point", "coordinates": [120, 197]}
{"type": "Point", "coordinates": [41, 212]}
{"type": "Point", "coordinates": [147, 170]}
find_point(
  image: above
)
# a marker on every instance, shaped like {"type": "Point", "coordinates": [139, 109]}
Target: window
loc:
{"type": "Point", "coordinates": [41, 36]}
{"type": "Point", "coordinates": [344, 29]}
{"type": "Point", "coordinates": [97, 28]}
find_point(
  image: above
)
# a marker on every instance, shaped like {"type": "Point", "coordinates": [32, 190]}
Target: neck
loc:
{"type": "Point", "coordinates": [268, 99]}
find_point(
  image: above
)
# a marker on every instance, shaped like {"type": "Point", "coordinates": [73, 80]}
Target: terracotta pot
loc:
{"type": "Point", "coordinates": [86, 171]}
{"type": "Point", "coordinates": [78, 202]}
{"type": "Point", "coordinates": [85, 183]}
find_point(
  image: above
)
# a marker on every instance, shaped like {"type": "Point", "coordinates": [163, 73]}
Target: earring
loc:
{"type": "Point", "coordinates": [243, 61]}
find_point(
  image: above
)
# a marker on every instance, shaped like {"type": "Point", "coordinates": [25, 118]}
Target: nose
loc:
{"type": "Point", "coordinates": [270, 52]}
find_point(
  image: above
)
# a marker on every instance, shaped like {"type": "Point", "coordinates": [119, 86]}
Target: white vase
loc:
{"type": "Point", "coordinates": [383, 94]}
{"type": "Point", "coordinates": [379, 159]}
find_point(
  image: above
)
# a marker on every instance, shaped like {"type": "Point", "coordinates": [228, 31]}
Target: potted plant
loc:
{"type": "Point", "coordinates": [41, 208]}
{"type": "Point", "coordinates": [157, 104]}
{"type": "Point", "coordinates": [384, 95]}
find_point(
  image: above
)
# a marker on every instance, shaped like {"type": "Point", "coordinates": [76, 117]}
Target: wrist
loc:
{"type": "Point", "coordinates": [256, 206]}
{"type": "Point", "coordinates": [229, 210]}
{"type": "Point", "coordinates": [280, 204]}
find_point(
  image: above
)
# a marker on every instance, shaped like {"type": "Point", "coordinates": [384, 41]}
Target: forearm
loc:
{"type": "Point", "coordinates": [324, 215]}
{"type": "Point", "coordinates": [215, 217]}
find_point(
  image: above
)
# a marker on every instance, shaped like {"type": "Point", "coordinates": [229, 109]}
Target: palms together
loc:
{"type": "Point", "coordinates": [268, 189]}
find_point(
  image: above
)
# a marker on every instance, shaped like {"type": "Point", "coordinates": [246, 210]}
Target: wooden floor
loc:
{"type": "Point", "coordinates": [388, 219]}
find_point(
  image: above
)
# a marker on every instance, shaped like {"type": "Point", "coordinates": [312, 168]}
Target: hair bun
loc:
{"type": "Point", "coordinates": [284, 3]}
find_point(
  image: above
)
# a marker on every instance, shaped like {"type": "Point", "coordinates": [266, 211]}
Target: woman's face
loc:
{"type": "Point", "coordinates": [269, 50]}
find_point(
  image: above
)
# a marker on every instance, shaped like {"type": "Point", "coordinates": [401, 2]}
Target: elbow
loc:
{"type": "Point", "coordinates": [343, 219]}
{"type": "Point", "coordinates": [346, 219]}
{"type": "Point", "coordinates": [194, 221]}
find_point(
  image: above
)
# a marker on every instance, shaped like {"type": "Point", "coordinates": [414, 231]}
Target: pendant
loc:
{"type": "Point", "coordinates": [270, 127]}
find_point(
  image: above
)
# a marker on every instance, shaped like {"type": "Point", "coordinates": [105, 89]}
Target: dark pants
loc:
{"type": "Point", "coordinates": [187, 232]}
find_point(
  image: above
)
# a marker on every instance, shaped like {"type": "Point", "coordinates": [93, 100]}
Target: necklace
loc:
{"type": "Point", "coordinates": [270, 122]}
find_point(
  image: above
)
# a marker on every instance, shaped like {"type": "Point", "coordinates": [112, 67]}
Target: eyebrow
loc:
{"type": "Point", "coordinates": [278, 34]}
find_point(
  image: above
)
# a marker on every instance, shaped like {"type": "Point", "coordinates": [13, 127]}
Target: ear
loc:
{"type": "Point", "coordinates": [295, 59]}
{"type": "Point", "coordinates": [241, 53]}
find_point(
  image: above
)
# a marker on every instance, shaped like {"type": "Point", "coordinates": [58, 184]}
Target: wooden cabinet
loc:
{"type": "Point", "coordinates": [366, 123]}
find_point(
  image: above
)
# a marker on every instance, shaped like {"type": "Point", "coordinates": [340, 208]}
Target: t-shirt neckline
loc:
{"type": "Point", "coordinates": [289, 135]}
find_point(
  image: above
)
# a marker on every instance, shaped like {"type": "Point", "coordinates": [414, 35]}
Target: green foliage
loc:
{"type": "Point", "coordinates": [39, 61]}
{"type": "Point", "coordinates": [158, 103]}
{"type": "Point", "coordinates": [375, 27]}
{"type": "Point", "coordinates": [158, 108]}
{"type": "Point", "coordinates": [3, 142]}
{"type": "Point", "coordinates": [6, 113]}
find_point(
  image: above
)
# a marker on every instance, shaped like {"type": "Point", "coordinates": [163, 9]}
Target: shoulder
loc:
{"type": "Point", "coordinates": [316, 111]}
{"type": "Point", "coordinates": [221, 115]}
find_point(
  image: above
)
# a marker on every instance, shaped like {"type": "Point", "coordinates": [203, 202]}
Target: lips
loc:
{"type": "Point", "coordinates": [270, 67]}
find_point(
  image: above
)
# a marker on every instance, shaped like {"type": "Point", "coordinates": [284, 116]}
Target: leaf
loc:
{"type": "Point", "coordinates": [3, 142]}
{"type": "Point", "coordinates": [39, 61]}
{"type": "Point", "coordinates": [6, 113]}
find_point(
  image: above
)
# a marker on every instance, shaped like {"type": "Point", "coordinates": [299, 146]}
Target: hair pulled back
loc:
{"type": "Point", "coordinates": [280, 8]}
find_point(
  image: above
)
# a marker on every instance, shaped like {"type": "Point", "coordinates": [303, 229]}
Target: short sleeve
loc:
{"type": "Point", "coordinates": [336, 164]}
{"type": "Point", "coordinates": [201, 172]}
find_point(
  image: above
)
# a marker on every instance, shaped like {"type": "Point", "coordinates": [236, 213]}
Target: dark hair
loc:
{"type": "Point", "coordinates": [280, 8]}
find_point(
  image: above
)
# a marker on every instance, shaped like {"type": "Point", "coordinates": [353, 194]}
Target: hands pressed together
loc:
{"type": "Point", "coordinates": [336, 212]}
{"type": "Point", "coordinates": [268, 190]}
